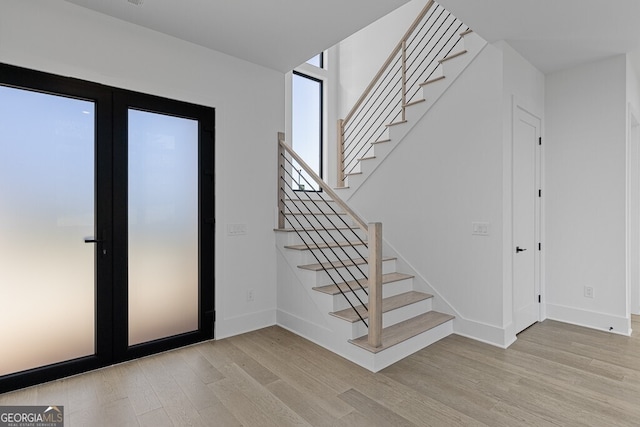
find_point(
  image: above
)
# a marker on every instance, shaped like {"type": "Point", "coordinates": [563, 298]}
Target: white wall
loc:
{"type": "Point", "coordinates": [61, 38]}
{"type": "Point", "coordinates": [454, 168]}
{"type": "Point", "coordinates": [446, 174]}
{"type": "Point", "coordinates": [585, 196]}
{"type": "Point", "coordinates": [361, 55]}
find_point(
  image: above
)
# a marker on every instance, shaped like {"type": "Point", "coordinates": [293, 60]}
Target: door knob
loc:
{"type": "Point", "coordinates": [519, 249]}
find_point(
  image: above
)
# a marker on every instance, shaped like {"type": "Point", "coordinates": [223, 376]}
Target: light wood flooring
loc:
{"type": "Point", "coordinates": [555, 374]}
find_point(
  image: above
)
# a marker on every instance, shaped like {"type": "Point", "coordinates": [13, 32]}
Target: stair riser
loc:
{"type": "Point", "coordinates": [320, 278]}
{"type": "Point", "coordinates": [292, 237]}
{"type": "Point", "coordinates": [455, 66]}
{"type": "Point", "coordinates": [306, 205]}
{"type": "Point", "coordinates": [472, 42]}
{"type": "Point", "coordinates": [412, 345]}
{"type": "Point", "coordinates": [367, 166]}
{"type": "Point", "coordinates": [318, 222]}
{"type": "Point", "coordinates": [388, 290]}
{"type": "Point", "coordinates": [305, 257]}
{"type": "Point", "coordinates": [382, 149]}
{"type": "Point", "coordinates": [333, 254]}
{"type": "Point", "coordinates": [415, 112]}
{"type": "Point", "coordinates": [395, 316]}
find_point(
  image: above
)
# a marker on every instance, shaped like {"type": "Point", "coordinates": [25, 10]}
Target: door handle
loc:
{"type": "Point", "coordinates": [519, 249]}
{"type": "Point", "coordinates": [91, 240]}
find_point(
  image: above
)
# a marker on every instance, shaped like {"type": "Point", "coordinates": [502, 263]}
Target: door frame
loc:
{"type": "Point", "coordinates": [633, 212]}
{"type": "Point", "coordinates": [110, 204]}
{"type": "Point", "coordinates": [538, 232]}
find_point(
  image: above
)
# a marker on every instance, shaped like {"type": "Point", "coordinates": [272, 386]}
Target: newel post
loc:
{"type": "Point", "coordinates": [340, 151]}
{"type": "Point", "coordinates": [375, 284]}
{"type": "Point", "coordinates": [280, 187]}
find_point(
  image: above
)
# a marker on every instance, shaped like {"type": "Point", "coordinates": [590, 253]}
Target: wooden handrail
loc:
{"type": "Point", "coordinates": [398, 47]}
{"type": "Point", "coordinates": [359, 221]}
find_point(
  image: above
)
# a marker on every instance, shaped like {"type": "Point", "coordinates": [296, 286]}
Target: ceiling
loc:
{"type": "Point", "coordinates": [555, 34]}
{"type": "Point", "coordinates": [281, 34]}
{"type": "Point", "coordinates": [278, 34]}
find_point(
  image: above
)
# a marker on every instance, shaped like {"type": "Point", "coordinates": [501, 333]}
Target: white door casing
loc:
{"type": "Point", "coordinates": [633, 215]}
{"type": "Point", "coordinates": [526, 218]}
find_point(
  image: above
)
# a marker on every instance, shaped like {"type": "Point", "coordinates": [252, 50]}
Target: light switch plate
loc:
{"type": "Point", "coordinates": [480, 228]}
{"type": "Point", "coordinates": [236, 229]}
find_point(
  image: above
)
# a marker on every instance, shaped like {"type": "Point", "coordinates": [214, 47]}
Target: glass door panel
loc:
{"type": "Point", "coordinates": [163, 247]}
{"type": "Point", "coordinates": [47, 199]}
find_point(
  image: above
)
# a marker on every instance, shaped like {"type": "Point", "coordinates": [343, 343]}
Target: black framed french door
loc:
{"type": "Point", "coordinates": [106, 225]}
{"type": "Point", "coordinates": [163, 223]}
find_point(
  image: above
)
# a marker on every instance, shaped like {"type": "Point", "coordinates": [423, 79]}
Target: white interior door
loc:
{"type": "Point", "coordinates": [526, 206]}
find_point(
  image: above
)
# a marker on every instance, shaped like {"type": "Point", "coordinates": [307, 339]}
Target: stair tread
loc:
{"type": "Point", "coordinates": [465, 32]}
{"type": "Point", "coordinates": [400, 332]}
{"type": "Point", "coordinates": [338, 264]}
{"type": "Point", "coordinates": [353, 173]}
{"type": "Point", "coordinates": [381, 141]}
{"type": "Point", "coordinates": [304, 230]}
{"type": "Point", "coordinates": [315, 213]}
{"type": "Point", "coordinates": [386, 278]}
{"type": "Point", "coordinates": [396, 123]}
{"type": "Point", "coordinates": [310, 200]}
{"type": "Point", "coordinates": [453, 55]}
{"type": "Point", "coordinates": [388, 304]}
{"type": "Point", "coordinates": [325, 245]}
{"type": "Point", "coordinates": [366, 158]}
{"type": "Point", "coordinates": [433, 80]}
{"type": "Point", "coordinates": [409, 104]}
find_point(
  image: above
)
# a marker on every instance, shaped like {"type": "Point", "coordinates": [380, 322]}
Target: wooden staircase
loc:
{"type": "Point", "coordinates": [338, 284]}
{"type": "Point", "coordinates": [380, 144]}
{"type": "Point", "coordinates": [408, 321]}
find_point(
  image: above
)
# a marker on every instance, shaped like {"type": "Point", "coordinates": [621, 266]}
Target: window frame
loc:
{"type": "Point", "coordinates": [321, 120]}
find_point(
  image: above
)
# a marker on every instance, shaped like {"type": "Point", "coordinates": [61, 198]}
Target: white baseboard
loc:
{"type": "Point", "coordinates": [245, 323]}
{"type": "Point", "coordinates": [590, 319]}
{"type": "Point", "coordinates": [488, 334]}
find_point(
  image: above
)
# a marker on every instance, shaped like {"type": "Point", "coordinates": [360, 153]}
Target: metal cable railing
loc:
{"type": "Point", "coordinates": [347, 259]}
{"type": "Point", "coordinates": [317, 225]}
{"type": "Point", "coordinates": [432, 37]}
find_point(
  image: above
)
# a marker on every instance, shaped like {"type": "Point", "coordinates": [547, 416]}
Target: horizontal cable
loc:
{"type": "Point", "coordinates": [330, 207]}
{"type": "Point", "coordinates": [324, 269]}
{"type": "Point", "coordinates": [330, 235]}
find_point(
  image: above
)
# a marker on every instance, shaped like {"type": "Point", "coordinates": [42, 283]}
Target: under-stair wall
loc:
{"type": "Point", "coordinates": [445, 174]}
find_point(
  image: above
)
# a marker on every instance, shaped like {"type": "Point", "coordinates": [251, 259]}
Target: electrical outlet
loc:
{"type": "Point", "coordinates": [588, 291]}
{"type": "Point", "coordinates": [250, 295]}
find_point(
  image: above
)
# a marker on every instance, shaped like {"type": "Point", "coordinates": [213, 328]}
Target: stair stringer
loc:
{"type": "Point", "coordinates": [330, 332]}
{"type": "Point", "coordinates": [452, 69]}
